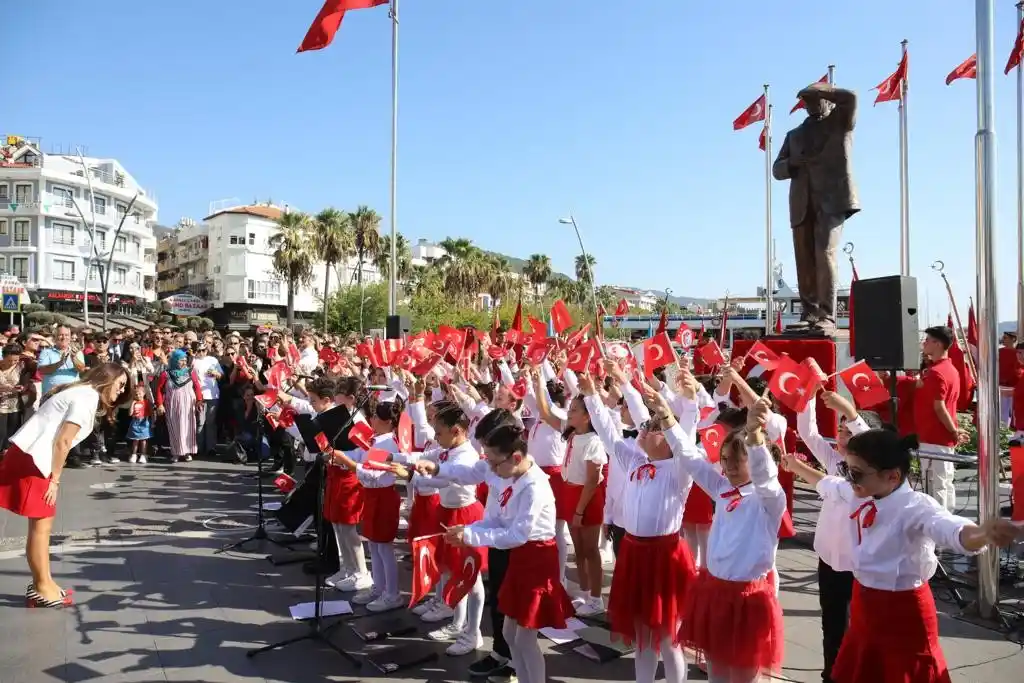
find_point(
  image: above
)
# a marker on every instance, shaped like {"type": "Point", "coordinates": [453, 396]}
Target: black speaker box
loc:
{"type": "Point", "coordinates": [396, 326]}
{"type": "Point", "coordinates": [886, 324]}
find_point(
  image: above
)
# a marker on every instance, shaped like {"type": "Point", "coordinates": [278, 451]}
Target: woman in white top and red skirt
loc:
{"type": "Point", "coordinates": [732, 615]}
{"type": "Point", "coordinates": [31, 467]}
{"type": "Point", "coordinates": [654, 567]}
{"type": "Point", "coordinates": [531, 596]}
{"type": "Point", "coordinates": [893, 635]}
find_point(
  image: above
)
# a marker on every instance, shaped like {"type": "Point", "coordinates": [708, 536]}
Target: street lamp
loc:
{"type": "Point", "coordinates": [586, 260]}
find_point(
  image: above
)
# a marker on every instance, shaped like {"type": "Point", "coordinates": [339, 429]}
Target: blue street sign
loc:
{"type": "Point", "coordinates": [11, 303]}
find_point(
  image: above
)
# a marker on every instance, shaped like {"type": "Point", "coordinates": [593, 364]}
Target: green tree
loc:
{"type": "Point", "coordinates": [465, 268]}
{"type": "Point", "coordinates": [292, 258]}
{"type": "Point", "coordinates": [350, 308]}
{"type": "Point", "coordinates": [585, 268]}
{"type": "Point", "coordinates": [366, 238]}
{"type": "Point", "coordinates": [403, 258]}
{"type": "Point", "coordinates": [538, 271]}
{"type": "Point", "coordinates": [331, 241]}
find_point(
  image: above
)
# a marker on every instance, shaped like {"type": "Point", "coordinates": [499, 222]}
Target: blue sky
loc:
{"type": "Point", "coordinates": [515, 113]}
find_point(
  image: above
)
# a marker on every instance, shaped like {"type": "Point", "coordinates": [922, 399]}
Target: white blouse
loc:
{"type": "Point", "coordinates": [894, 538]}
{"type": "Point", "coordinates": [472, 475]}
{"type": "Point", "coordinates": [374, 478]}
{"type": "Point", "coordinates": [524, 511]}
{"type": "Point", "coordinates": [745, 529]}
{"type": "Point", "coordinates": [833, 535]}
{"type": "Point", "coordinates": [77, 405]}
{"type": "Point", "coordinates": [581, 449]}
{"type": "Point", "coordinates": [453, 495]}
{"type": "Point", "coordinates": [653, 492]}
{"type": "Point", "coordinates": [544, 443]}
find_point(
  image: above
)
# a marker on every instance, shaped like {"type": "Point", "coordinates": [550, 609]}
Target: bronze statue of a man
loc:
{"type": "Point", "coordinates": [815, 158]}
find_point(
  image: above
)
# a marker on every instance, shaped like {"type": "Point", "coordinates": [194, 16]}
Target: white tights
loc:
{"type": "Point", "coordinates": [470, 610]}
{"type": "Point", "coordinates": [350, 549]}
{"type": "Point", "coordinates": [562, 542]}
{"type": "Point", "coordinates": [725, 674]}
{"type": "Point", "coordinates": [696, 536]}
{"type": "Point", "coordinates": [527, 659]}
{"type": "Point", "coordinates": [646, 661]}
{"type": "Point", "coordinates": [384, 569]}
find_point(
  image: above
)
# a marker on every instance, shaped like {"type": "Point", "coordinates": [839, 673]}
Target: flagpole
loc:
{"type": "Point", "coordinates": [392, 275]}
{"type": "Point", "coordinates": [768, 264]}
{"type": "Point", "coordinates": [904, 175]}
{"type": "Point", "coordinates": [1020, 187]}
{"type": "Point", "coordinates": [988, 304]}
{"type": "Point", "coordinates": [835, 290]}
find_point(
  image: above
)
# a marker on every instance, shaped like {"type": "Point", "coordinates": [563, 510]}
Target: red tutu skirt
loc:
{"type": "Point", "coordinates": [699, 507]}
{"type": "Point", "coordinates": [425, 516]}
{"type": "Point", "coordinates": [555, 477]}
{"type": "Point", "coordinates": [381, 508]}
{"type": "Point", "coordinates": [22, 487]}
{"type": "Point", "coordinates": [893, 638]}
{"type": "Point", "coordinates": [737, 624]}
{"type": "Point", "coordinates": [343, 497]}
{"type": "Point", "coordinates": [649, 587]}
{"type": "Point", "coordinates": [450, 559]}
{"type": "Point", "coordinates": [481, 493]}
{"type": "Point", "coordinates": [531, 593]}
{"type": "Point", "coordinates": [565, 507]}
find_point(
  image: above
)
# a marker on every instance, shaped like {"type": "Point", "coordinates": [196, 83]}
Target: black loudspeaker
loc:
{"type": "Point", "coordinates": [396, 326]}
{"type": "Point", "coordinates": [887, 335]}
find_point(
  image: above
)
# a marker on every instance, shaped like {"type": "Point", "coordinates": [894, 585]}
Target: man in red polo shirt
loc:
{"type": "Point", "coordinates": [1009, 373]}
{"type": "Point", "coordinates": [935, 414]}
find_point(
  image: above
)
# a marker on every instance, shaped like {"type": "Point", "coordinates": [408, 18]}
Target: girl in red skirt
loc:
{"type": "Point", "coordinates": [732, 616]}
{"type": "Point", "coordinates": [31, 467]}
{"type": "Point", "coordinates": [893, 635]}
{"type": "Point", "coordinates": [381, 508]}
{"type": "Point", "coordinates": [653, 569]}
{"type": "Point", "coordinates": [532, 596]}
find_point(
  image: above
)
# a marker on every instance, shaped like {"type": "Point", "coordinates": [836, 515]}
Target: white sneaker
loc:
{"type": "Point", "coordinates": [133, 459]}
{"type": "Point", "coordinates": [385, 603]}
{"type": "Point", "coordinates": [366, 597]}
{"type": "Point", "coordinates": [439, 613]}
{"type": "Point", "coordinates": [336, 578]}
{"type": "Point", "coordinates": [591, 607]}
{"type": "Point", "coordinates": [142, 460]}
{"type": "Point", "coordinates": [464, 645]}
{"type": "Point", "coordinates": [355, 582]}
{"type": "Point", "coordinates": [449, 632]}
{"type": "Point", "coordinates": [424, 607]}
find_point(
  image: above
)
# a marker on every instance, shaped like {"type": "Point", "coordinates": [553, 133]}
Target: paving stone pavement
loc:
{"type": "Point", "coordinates": [153, 602]}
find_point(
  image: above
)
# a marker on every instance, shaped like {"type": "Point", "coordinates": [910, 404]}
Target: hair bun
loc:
{"type": "Point", "coordinates": [910, 442]}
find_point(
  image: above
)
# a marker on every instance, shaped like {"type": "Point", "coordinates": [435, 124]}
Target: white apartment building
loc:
{"type": "Point", "coordinates": [638, 299]}
{"type": "Point", "coordinates": [44, 243]}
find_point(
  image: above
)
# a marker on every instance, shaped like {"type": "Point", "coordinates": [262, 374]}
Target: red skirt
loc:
{"type": "Point", "coordinates": [343, 497]}
{"type": "Point", "coordinates": [449, 558]}
{"type": "Point", "coordinates": [555, 478]}
{"type": "Point", "coordinates": [481, 493]}
{"type": "Point", "coordinates": [649, 587]}
{"type": "Point", "coordinates": [425, 516]}
{"type": "Point", "coordinates": [531, 593]}
{"type": "Point", "coordinates": [737, 624]}
{"type": "Point", "coordinates": [893, 638]}
{"type": "Point", "coordinates": [699, 507]}
{"type": "Point", "coordinates": [22, 487]}
{"type": "Point", "coordinates": [381, 508]}
{"type": "Point", "coordinates": [786, 528]}
{"type": "Point", "coordinates": [565, 507]}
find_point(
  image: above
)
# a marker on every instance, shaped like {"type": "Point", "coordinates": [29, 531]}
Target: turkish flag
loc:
{"type": "Point", "coordinates": [972, 328]}
{"type": "Point", "coordinates": [329, 356]}
{"type": "Point", "coordinates": [658, 353]}
{"type": "Point", "coordinates": [286, 418]}
{"type": "Point", "coordinates": [580, 357]}
{"type": "Point", "coordinates": [284, 483]}
{"type": "Point", "coordinates": [364, 350]}
{"type": "Point", "coordinates": [662, 322]}
{"type": "Point", "coordinates": [459, 585]}
{"type": "Point", "coordinates": [496, 352]}
{"type": "Point", "coordinates": [617, 351]}
{"type": "Point", "coordinates": [794, 385]}
{"type": "Point", "coordinates": [752, 114]}
{"type": "Point", "coordinates": [404, 359]}
{"type": "Point", "coordinates": [519, 388]}
{"type": "Point", "coordinates": [967, 69]}
{"type": "Point", "coordinates": [361, 435]}
{"type": "Point", "coordinates": [517, 322]}
{"type": "Point", "coordinates": [268, 398]}
{"type": "Point", "coordinates": [1017, 52]}
{"type": "Point", "coordinates": [450, 334]}
{"type": "Point", "coordinates": [425, 570]}
{"type": "Point", "coordinates": [576, 337]}
{"type": "Point", "coordinates": [328, 21]}
{"type": "Point", "coordinates": [963, 370]}
{"type": "Point", "coordinates": [278, 373]}
{"type": "Point", "coordinates": [622, 308]}
{"type": "Point", "coordinates": [864, 385]}
{"type": "Point", "coordinates": [778, 321]}
{"type": "Point", "coordinates": [293, 352]}
{"type": "Point", "coordinates": [800, 103]}
{"type": "Point", "coordinates": [711, 354]}
{"type": "Point", "coordinates": [815, 369]}
{"type": "Point", "coordinates": [763, 356]}
{"type": "Point", "coordinates": [711, 438]}
{"type": "Point", "coordinates": [560, 317]}
{"type": "Point", "coordinates": [321, 442]}
{"type": "Point", "coordinates": [244, 368]}
{"type": "Point", "coordinates": [684, 336]}
{"type": "Point", "coordinates": [376, 459]}
{"type": "Point", "coordinates": [425, 366]}
{"type": "Point", "coordinates": [538, 328]}
{"type": "Point", "coordinates": [762, 139]}
{"type": "Point", "coordinates": [404, 433]}
{"type": "Point", "coordinates": [538, 350]}
{"type": "Point", "coordinates": [891, 88]}
{"type": "Point", "coordinates": [272, 420]}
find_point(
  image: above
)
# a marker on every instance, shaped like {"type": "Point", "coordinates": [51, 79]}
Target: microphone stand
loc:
{"type": "Point", "coordinates": [316, 629]}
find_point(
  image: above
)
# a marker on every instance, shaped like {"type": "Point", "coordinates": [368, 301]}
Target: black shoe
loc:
{"type": "Point", "coordinates": [75, 464]}
{"type": "Point", "coordinates": [505, 674]}
{"type": "Point", "coordinates": [488, 666]}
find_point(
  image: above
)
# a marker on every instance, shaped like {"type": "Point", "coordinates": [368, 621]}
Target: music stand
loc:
{"type": "Point", "coordinates": [330, 424]}
{"type": "Point", "coordinates": [260, 533]}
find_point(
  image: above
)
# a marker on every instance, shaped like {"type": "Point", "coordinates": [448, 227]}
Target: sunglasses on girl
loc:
{"type": "Point", "coordinates": [852, 476]}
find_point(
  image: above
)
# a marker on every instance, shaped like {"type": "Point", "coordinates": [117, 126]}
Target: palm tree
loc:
{"type": "Point", "coordinates": [585, 268]}
{"type": "Point", "coordinates": [423, 280]}
{"type": "Point", "coordinates": [365, 225]}
{"type": "Point", "coordinates": [538, 271]}
{"type": "Point", "coordinates": [403, 258]}
{"type": "Point", "coordinates": [292, 259]}
{"type": "Point", "coordinates": [464, 267]}
{"type": "Point", "coordinates": [498, 277]}
{"type": "Point", "coordinates": [566, 289]}
{"type": "Point", "coordinates": [331, 241]}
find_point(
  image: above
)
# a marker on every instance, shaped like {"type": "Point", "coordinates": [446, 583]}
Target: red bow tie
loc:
{"type": "Point", "coordinates": [868, 519]}
{"type": "Point", "coordinates": [734, 497]}
{"type": "Point", "coordinates": [644, 471]}
{"type": "Point", "coordinates": [505, 495]}
{"type": "Point", "coordinates": [443, 457]}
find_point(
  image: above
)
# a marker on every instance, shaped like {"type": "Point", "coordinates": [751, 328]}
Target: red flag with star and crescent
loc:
{"type": "Point", "coordinates": [891, 88]}
{"type": "Point", "coordinates": [958, 357]}
{"type": "Point", "coordinates": [425, 570]}
{"type": "Point", "coordinates": [754, 113]}
{"type": "Point", "coordinates": [471, 561]}
{"type": "Point", "coordinates": [967, 69]}
{"type": "Point", "coordinates": [800, 103]}
{"type": "Point", "coordinates": [866, 387]}
{"type": "Point", "coordinates": [1017, 52]}
{"type": "Point", "coordinates": [658, 353]}
{"type": "Point", "coordinates": [328, 21]}
{"type": "Point", "coordinates": [794, 385]}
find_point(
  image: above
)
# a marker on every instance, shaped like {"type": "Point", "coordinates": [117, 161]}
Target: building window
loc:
{"type": "Point", "coordinates": [3, 226]}
{"type": "Point", "coordinates": [137, 216]}
{"type": "Point", "coordinates": [19, 267]}
{"type": "Point", "coordinates": [94, 273]}
{"type": "Point", "coordinates": [101, 240]}
{"type": "Point", "coordinates": [137, 279]}
{"type": "Point", "coordinates": [20, 234]}
{"type": "Point", "coordinates": [237, 240]}
{"type": "Point", "coordinates": [136, 246]}
{"type": "Point", "coordinates": [5, 193]}
{"type": "Point", "coordinates": [252, 238]}
{"type": "Point", "coordinates": [120, 276]}
{"type": "Point", "coordinates": [3, 264]}
{"type": "Point", "coordinates": [64, 197]}
{"type": "Point", "coordinates": [63, 234]}
{"type": "Point", "coordinates": [22, 194]}
{"type": "Point", "coordinates": [121, 211]}
{"type": "Point", "coordinates": [99, 205]}
{"type": "Point", "coordinates": [120, 244]}
{"type": "Point", "coordinates": [63, 270]}
{"type": "Point", "coordinates": [264, 290]}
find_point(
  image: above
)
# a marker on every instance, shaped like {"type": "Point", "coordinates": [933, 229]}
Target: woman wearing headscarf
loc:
{"type": "Point", "coordinates": [179, 398]}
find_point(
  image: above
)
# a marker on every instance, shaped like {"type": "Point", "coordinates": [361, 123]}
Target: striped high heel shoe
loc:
{"type": "Point", "coordinates": [34, 599]}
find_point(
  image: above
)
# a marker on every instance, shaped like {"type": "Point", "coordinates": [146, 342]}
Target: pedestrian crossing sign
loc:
{"type": "Point", "coordinates": [11, 303]}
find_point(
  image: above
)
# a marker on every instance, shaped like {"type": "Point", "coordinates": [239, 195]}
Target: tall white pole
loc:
{"type": "Point", "coordinates": [988, 305]}
{"type": "Point", "coordinates": [904, 176]}
{"type": "Point", "coordinates": [92, 236]}
{"type": "Point", "coordinates": [769, 265]}
{"type": "Point", "coordinates": [392, 279]}
{"type": "Point", "coordinates": [835, 291]}
{"type": "Point", "coordinates": [1020, 187]}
